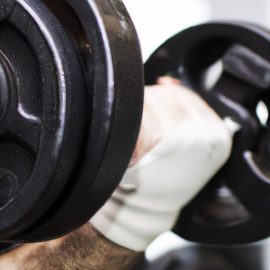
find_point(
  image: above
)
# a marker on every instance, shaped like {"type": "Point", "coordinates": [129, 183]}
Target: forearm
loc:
{"type": "Point", "coordinates": [82, 249]}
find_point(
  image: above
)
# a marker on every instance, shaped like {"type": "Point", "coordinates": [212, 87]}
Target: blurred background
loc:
{"type": "Point", "coordinates": [257, 11]}
{"type": "Point", "coordinates": [156, 21]}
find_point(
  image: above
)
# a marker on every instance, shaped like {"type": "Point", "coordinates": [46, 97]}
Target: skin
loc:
{"type": "Point", "coordinates": [83, 249]}
{"type": "Point", "coordinates": [165, 104]}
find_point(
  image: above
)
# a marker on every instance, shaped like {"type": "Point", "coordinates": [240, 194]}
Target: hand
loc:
{"type": "Point", "coordinates": [182, 144]}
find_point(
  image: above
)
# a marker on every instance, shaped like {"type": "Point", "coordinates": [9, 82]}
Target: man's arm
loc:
{"type": "Point", "coordinates": [83, 249]}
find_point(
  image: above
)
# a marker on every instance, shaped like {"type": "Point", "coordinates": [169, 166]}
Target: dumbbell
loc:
{"type": "Point", "coordinates": [228, 64]}
{"type": "Point", "coordinates": [71, 96]}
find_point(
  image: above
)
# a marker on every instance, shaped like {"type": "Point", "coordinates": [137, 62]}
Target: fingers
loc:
{"type": "Point", "coordinates": [166, 80]}
{"type": "Point", "coordinates": [165, 106]}
{"type": "Point", "coordinates": [151, 129]}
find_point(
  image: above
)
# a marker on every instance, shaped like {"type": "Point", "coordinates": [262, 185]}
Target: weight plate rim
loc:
{"type": "Point", "coordinates": [65, 218]}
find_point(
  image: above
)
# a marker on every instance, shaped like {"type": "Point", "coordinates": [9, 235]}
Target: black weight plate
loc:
{"type": "Point", "coordinates": [110, 55]}
{"type": "Point", "coordinates": [232, 207]}
{"type": "Point", "coordinates": [42, 93]}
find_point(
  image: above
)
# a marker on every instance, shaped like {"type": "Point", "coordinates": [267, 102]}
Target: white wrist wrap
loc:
{"type": "Point", "coordinates": [154, 191]}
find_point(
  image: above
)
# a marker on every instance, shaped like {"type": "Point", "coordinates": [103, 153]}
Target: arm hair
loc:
{"type": "Point", "coordinates": [84, 249]}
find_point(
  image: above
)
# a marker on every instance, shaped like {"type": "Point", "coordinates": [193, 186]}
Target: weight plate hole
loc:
{"type": "Point", "coordinates": [212, 75]}
{"type": "Point", "coordinates": [222, 207]}
{"type": "Point", "coordinates": [262, 112]}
